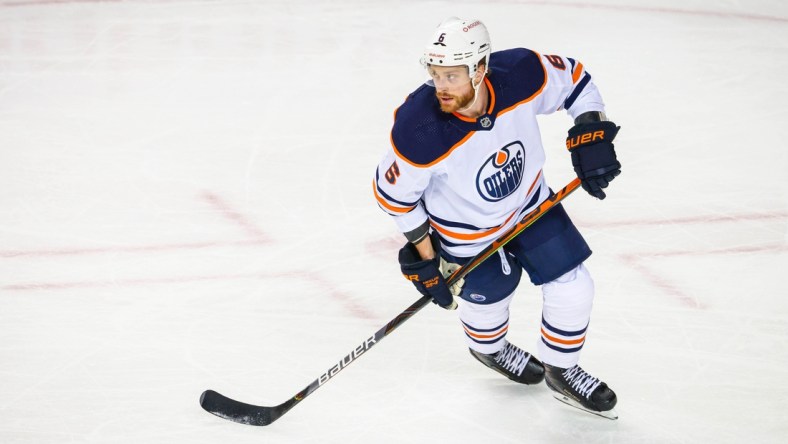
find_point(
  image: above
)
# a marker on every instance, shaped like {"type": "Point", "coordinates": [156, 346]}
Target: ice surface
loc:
{"type": "Point", "coordinates": [185, 204]}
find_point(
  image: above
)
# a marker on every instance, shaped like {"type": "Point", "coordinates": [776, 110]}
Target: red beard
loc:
{"type": "Point", "coordinates": [455, 103]}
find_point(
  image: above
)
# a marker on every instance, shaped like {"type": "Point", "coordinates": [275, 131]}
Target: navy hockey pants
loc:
{"type": "Point", "coordinates": [546, 250]}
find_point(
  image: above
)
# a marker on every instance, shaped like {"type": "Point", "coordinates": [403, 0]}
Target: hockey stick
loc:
{"type": "Point", "coordinates": [240, 412]}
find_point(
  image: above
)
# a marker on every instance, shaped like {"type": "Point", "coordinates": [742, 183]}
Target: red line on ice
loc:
{"type": "Point", "coordinates": [230, 213]}
{"type": "Point", "coordinates": [636, 261]}
{"type": "Point", "coordinates": [128, 248]}
{"type": "Point", "coordinates": [687, 220]}
{"type": "Point", "coordinates": [324, 285]}
{"type": "Point", "coordinates": [660, 282]}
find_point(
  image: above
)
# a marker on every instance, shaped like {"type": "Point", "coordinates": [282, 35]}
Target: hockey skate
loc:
{"type": "Point", "coordinates": [577, 388]}
{"type": "Point", "coordinates": [514, 363]}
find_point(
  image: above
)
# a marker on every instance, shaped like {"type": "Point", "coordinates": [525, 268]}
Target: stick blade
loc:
{"type": "Point", "coordinates": [236, 411]}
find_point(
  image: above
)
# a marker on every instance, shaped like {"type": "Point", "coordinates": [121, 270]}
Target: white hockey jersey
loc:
{"type": "Point", "coordinates": [474, 178]}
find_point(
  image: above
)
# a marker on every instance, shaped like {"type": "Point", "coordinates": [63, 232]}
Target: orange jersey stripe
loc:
{"type": "Point", "coordinates": [446, 154]}
{"type": "Point", "coordinates": [464, 118]}
{"type": "Point", "coordinates": [531, 188]}
{"type": "Point", "coordinates": [471, 236]}
{"type": "Point", "coordinates": [563, 341]}
{"type": "Point", "coordinates": [481, 234]}
{"type": "Point", "coordinates": [578, 71]}
{"type": "Point", "coordinates": [492, 95]}
{"type": "Point", "coordinates": [386, 204]}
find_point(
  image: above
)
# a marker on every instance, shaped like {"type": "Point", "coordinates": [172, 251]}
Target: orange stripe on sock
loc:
{"type": "Point", "coordinates": [563, 341]}
{"type": "Point", "coordinates": [478, 336]}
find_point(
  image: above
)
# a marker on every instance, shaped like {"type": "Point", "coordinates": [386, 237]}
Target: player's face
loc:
{"type": "Point", "coordinates": [452, 87]}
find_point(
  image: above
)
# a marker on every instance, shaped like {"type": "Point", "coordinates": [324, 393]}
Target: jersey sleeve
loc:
{"type": "Point", "coordinates": [569, 87]}
{"type": "Point", "coordinates": [398, 187]}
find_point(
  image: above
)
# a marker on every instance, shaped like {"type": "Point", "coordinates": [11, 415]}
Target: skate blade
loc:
{"type": "Point", "coordinates": [610, 414]}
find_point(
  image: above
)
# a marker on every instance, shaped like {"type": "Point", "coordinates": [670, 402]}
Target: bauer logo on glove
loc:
{"type": "Point", "coordinates": [594, 155]}
{"type": "Point", "coordinates": [584, 139]}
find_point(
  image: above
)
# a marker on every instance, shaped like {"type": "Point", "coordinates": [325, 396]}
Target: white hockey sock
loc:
{"type": "Point", "coordinates": [485, 325]}
{"type": "Point", "coordinates": [566, 312]}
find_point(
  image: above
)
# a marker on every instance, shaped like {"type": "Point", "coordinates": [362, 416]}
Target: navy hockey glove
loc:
{"type": "Point", "coordinates": [593, 155]}
{"type": "Point", "coordinates": [426, 276]}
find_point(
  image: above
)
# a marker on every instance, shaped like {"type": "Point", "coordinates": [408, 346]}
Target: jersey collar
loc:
{"type": "Point", "coordinates": [490, 106]}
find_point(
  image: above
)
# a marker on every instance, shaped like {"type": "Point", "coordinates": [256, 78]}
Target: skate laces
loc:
{"type": "Point", "coordinates": [580, 381]}
{"type": "Point", "coordinates": [513, 359]}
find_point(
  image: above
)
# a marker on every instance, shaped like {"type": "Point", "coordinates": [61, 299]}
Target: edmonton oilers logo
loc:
{"type": "Point", "coordinates": [501, 173]}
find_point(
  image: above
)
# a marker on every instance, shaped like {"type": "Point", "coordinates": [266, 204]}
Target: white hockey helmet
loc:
{"type": "Point", "coordinates": [458, 42]}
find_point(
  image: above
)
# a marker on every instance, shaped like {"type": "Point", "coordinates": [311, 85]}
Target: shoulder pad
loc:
{"type": "Point", "coordinates": [516, 74]}
{"type": "Point", "coordinates": [422, 134]}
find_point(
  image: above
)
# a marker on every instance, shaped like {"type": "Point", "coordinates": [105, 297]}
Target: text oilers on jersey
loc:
{"type": "Point", "coordinates": [502, 173]}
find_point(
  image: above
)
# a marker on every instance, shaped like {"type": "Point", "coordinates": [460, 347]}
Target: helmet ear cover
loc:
{"type": "Point", "coordinates": [458, 42]}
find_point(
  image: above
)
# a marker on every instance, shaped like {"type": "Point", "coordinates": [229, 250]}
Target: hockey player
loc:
{"type": "Point", "coordinates": [465, 164]}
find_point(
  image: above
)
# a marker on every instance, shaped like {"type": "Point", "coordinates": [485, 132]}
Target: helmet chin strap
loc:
{"type": "Point", "coordinates": [475, 95]}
